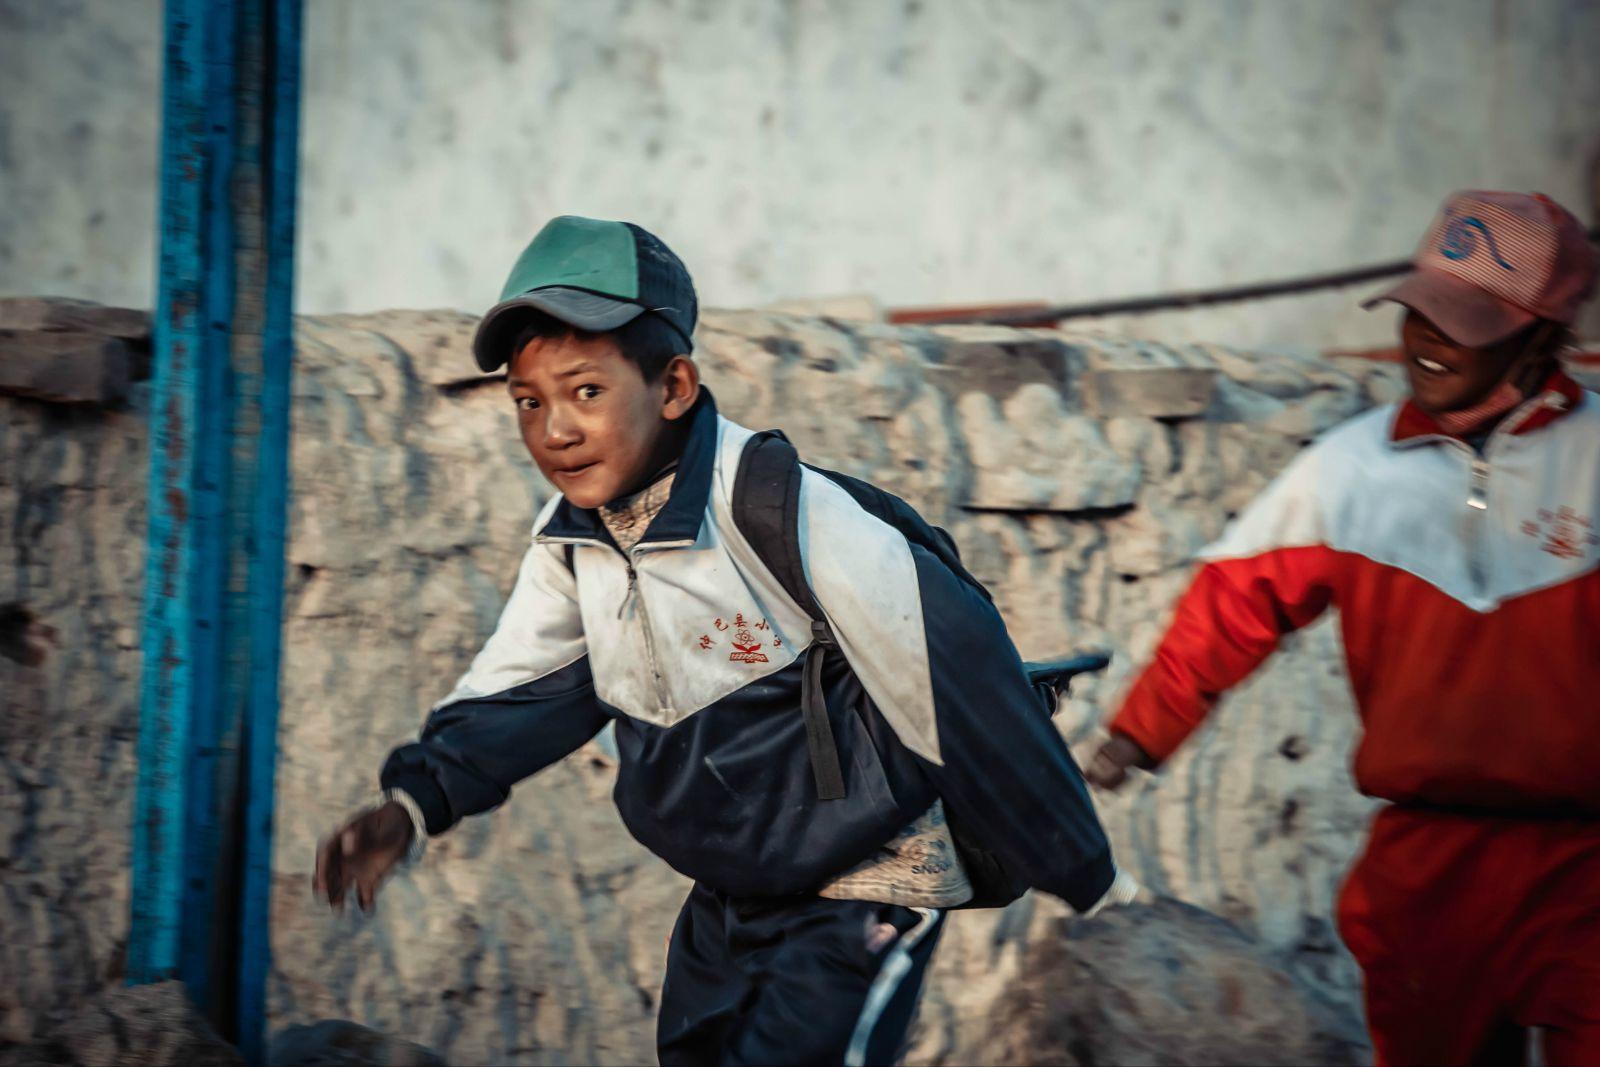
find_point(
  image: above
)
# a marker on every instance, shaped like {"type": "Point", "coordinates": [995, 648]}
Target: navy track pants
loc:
{"type": "Point", "coordinates": [795, 980]}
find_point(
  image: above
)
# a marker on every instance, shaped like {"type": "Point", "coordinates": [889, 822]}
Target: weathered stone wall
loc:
{"type": "Point", "coordinates": [72, 486]}
{"type": "Point", "coordinates": [1078, 474]}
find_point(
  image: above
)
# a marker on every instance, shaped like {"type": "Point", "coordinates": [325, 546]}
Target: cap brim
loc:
{"type": "Point", "coordinates": [1465, 313]}
{"type": "Point", "coordinates": [586, 311]}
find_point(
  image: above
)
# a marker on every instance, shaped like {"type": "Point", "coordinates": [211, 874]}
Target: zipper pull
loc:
{"type": "Point", "coordinates": [633, 585]}
{"type": "Point", "coordinates": [1479, 497]}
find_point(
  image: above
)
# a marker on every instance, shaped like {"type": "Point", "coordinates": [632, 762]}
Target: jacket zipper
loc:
{"type": "Point", "coordinates": [1478, 490]}
{"type": "Point", "coordinates": [663, 702]}
{"type": "Point", "coordinates": [630, 598]}
{"type": "Point", "coordinates": [1478, 502]}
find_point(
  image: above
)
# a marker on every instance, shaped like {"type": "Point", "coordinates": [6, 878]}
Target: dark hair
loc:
{"type": "Point", "coordinates": [1562, 338]}
{"type": "Point", "coordinates": [1540, 343]}
{"type": "Point", "coordinates": [1535, 351]}
{"type": "Point", "coordinates": [647, 341]}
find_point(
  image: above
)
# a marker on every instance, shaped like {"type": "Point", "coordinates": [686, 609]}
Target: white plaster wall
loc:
{"type": "Point", "coordinates": [923, 152]}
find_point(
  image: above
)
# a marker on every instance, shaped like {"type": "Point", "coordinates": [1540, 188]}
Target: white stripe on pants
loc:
{"type": "Point", "coordinates": [896, 964]}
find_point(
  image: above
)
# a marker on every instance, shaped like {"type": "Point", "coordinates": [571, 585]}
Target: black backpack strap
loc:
{"type": "Point", "coordinates": [814, 706]}
{"type": "Point", "coordinates": [766, 509]}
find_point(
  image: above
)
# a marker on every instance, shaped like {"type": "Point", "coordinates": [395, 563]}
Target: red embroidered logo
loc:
{"type": "Point", "coordinates": [1566, 533]}
{"type": "Point", "coordinates": [746, 646]}
{"type": "Point", "coordinates": [746, 649]}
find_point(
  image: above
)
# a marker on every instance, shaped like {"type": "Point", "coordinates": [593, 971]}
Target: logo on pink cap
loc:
{"type": "Point", "coordinates": [1461, 239]}
{"type": "Point", "coordinates": [1505, 245]}
{"type": "Point", "coordinates": [1493, 263]}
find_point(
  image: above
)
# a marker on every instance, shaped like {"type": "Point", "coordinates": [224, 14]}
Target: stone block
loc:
{"type": "Point", "coordinates": [998, 361]}
{"type": "Point", "coordinates": [438, 345]}
{"type": "Point", "coordinates": [1031, 454]}
{"type": "Point", "coordinates": [336, 1043]}
{"type": "Point", "coordinates": [1161, 983]}
{"type": "Point", "coordinates": [65, 367]}
{"type": "Point", "coordinates": [1154, 392]}
{"type": "Point", "coordinates": [60, 313]}
{"type": "Point", "coordinates": [1152, 538]}
{"type": "Point", "coordinates": [140, 1026]}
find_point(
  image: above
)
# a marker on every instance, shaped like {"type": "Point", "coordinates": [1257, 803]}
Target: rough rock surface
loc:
{"type": "Point", "coordinates": [335, 1043]}
{"type": "Point", "coordinates": [70, 351]}
{"type": "Point", "coordinates": [72, 486]}
{"type": "Point", "coordinates": [537, 935]}
{"type": "Point", "coordinates": [141, 1026]}
{"type": "Point", "coordinates": [51, 314]}
{"type": "Point", "coordinates": [66, 367]}
{"type": "Point", "coordinates": [1162, 983]}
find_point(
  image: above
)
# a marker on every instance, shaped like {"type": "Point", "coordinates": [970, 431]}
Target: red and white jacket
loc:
{"type": "Point", "coordinates": [1468, 587]}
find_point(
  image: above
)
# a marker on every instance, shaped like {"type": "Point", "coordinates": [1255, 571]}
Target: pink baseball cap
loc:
{"type": "Point", "coordinates": [1493, 263]}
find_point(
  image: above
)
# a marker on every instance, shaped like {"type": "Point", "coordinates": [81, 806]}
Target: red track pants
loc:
{"type": "Point", "coordinates": [1471, 929]}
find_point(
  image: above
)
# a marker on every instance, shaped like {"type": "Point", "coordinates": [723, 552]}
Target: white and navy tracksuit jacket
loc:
{"type": "Point", "coordinates": [695, 651]}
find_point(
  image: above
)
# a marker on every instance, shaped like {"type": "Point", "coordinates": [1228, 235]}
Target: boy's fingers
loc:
{"type": "Point", "coordinates": [367, 892]}
{"type": "Point", "coordinates": [332, 873]}
{"type": "Point", "coordinates": [319, 880]}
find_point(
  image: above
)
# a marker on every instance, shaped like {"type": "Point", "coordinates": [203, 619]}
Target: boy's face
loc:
{"type": "Point", "coordinates": [1445, 376]}
{"type": "Point", "coordinates": [591, 422]}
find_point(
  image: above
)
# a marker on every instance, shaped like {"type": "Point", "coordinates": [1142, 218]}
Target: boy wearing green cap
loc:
{"type": "Point", "coordinates": [815, 830]}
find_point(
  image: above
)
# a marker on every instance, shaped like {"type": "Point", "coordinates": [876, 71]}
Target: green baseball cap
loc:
{"type": "Point", "coordinates": [592, 274]}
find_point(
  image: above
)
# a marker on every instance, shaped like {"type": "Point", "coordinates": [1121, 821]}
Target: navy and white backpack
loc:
{"type": "Point", "coordinates": [766, 509]}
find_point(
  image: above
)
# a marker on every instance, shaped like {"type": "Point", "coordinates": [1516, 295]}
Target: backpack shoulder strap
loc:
{"type": "Point", "coordinates": [766, 509]}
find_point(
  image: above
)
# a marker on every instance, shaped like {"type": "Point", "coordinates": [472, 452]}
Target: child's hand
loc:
{"type": "Point", "coordinates": [362, 853]}
{"type": "Point", "coordinates": [1109, 768]}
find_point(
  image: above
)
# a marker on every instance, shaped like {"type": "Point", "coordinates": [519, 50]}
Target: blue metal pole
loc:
{"type": "Point", "coordinates": [281, 24]}
{"type": "Point", "coordinates": [167, 698]}
{"type": "Point", "coordinates": [217, 499]}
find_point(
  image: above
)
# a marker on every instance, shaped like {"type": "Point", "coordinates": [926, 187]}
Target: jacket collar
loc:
{"type": "Point", "coordinates": [680, 518]}
{"type": "Point", "coordinates": [1559, 397]}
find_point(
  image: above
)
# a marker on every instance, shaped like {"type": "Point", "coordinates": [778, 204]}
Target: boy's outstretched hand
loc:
{"type": "Point", "coordinates": [1109, 768]}
{"type": "Point", "coordinates": [362, 853]}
